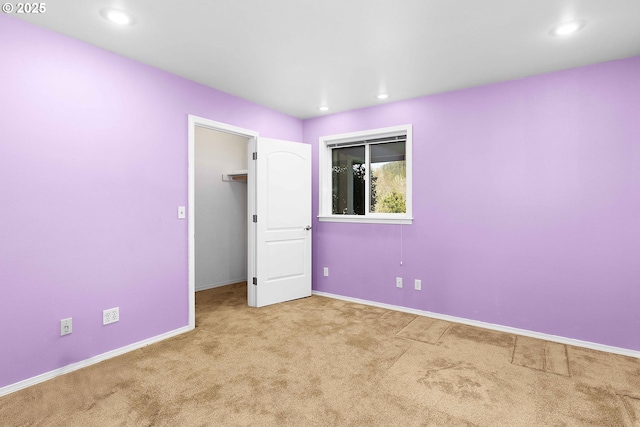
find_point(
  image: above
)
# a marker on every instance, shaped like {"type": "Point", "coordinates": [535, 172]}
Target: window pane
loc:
{"type": "Point", "coordinates": [388, 178]}
{"type": "Point", "coordinates": [347, 180]}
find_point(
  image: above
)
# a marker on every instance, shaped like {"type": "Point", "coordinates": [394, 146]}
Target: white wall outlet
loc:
{"type": "Point", "coordinates": [418, 284]}
{"type": "Point", "coordinates": [182, 212]}
{"type": "Point", "coordinates": [398, 282]}
{"type": "Point", "coordinates": [326, 271]}
{"type": "Point", "coordinates": [66, 326]}
{"type": "Point", "coordinates": [111, 315]}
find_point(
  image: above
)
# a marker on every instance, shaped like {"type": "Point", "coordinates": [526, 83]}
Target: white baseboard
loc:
{"type": "Point", "coordinates": [493, 326]}
{"type": "Point", "coordinates": [217, 285]}
{"type": "Point", "coordinates": [90, 361]}
{"type": "Point", "coordinates": [122, 350]}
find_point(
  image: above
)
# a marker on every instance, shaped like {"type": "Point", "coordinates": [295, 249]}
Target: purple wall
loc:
{"type": "Point", "coordinates": [93, 164]}
{"type": "Point", "coordinates": [526, 202]}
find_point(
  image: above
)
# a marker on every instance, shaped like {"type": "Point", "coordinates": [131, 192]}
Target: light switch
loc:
{"type": "Point", "coordinates": [182, 212]}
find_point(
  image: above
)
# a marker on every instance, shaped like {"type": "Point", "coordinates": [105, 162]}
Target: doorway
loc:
{"type": "Point", "coordinates": [198, 127]}
{"type": "Point", "coordinates": [278, 216]}
{"type": "Point", "coordinates": [220, 208]}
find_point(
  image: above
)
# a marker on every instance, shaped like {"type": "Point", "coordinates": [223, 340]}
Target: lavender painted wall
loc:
{"type": "Point", "coordinates": [526, 205]}
{"type": "Point", "coordinates": [93, 164]}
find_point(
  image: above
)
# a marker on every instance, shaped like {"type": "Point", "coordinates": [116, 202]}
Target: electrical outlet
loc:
{"type": "Point", "coordinates": [398, 282]}
{"type": "Point", "coordinates": [418, 284]}
{"type": "Point", "coordinates": [111, 315]}
{"type": "Point", "coordinates": [66, 326]}
{"type": "Point", "coordinates": [326, 272]}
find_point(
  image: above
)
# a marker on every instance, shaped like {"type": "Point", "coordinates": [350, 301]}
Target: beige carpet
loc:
{"type": "Point", "coordinates": [324, 362]}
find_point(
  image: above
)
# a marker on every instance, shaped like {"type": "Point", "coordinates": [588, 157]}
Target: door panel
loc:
{"type": "Point", "coordinates": [283, 206]}
{"type": "Point", "coordinates": [285, 259]}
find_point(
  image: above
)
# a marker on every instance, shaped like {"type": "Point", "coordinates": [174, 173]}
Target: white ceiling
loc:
{"type": "Point", "coordinates": [294, 55]}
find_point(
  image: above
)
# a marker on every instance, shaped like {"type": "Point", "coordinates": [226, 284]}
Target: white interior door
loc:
{"type": "Point", "coordinates": [283, 227]}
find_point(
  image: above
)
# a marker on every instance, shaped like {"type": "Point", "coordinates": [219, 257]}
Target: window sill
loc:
{"type": "Point", "coordinates": [364, 219]}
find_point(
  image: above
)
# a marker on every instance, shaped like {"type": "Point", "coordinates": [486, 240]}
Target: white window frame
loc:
{"type": "Point", "coordinates": [327, 143]}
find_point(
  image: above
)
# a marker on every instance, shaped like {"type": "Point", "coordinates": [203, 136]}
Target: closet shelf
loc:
{"type": "Point", "coordinates": [236, 176]}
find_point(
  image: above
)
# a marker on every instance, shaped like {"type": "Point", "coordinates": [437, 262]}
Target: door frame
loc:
{"type": "Point", "coordinates": [252, 140]}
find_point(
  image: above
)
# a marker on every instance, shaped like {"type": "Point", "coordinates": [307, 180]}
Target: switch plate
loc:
{"type": "Point", "coordinates": [326, 271]}
{"type": "Point", "coordinates": [418, 284]}
{"type": "Point", "coordinates": [398, 282]}
{"type": "Point", "coordinates": [66, 326]}
{"type": "Point", "coordinates": [182, 212]}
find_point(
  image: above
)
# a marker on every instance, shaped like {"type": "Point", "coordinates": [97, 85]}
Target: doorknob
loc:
{"type": "Point", "coordinates": [308, 227]}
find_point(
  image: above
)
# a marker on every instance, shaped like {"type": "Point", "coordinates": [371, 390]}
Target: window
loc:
{"type": "Point", "coordinates": [366, 176]}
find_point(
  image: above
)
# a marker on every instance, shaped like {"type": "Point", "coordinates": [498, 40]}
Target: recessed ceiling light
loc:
{"type": "Point", "coordinates": [117, 16]}
{"type": "Point", "coordinates": [567, 28]}
{"type": "Point", "coordinates": [323, 108]}
{"type": "Point", "coordinates": [382, 96]}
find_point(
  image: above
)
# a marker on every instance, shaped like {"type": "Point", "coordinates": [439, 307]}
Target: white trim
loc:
{"type": "Point", "coordinates": [365, 134]}
{"type": "Point", "coordinates": [252, 137]}
{"type": "Point", "coordinates": [90, 361]}
{"type": "Point", "coordinates": [365, 219]}
{"type": "Point", "coordinates": [324, 178]}
{"type": "Point", "coordinates": [492, 326]}
{"type": "Point", "coordinates": [252, 227]}
{"type": "Point", "coordinates": [219, 284]}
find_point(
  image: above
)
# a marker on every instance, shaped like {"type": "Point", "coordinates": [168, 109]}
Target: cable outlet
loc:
{"type": "Point", "coordinates": [418, 284]}
{"type": "Point", "coordinates": [66, 326]}
{"type": "Point", "coordinates": [398, 282]}
{"type": "Point", "coordinates": [111, 315]}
